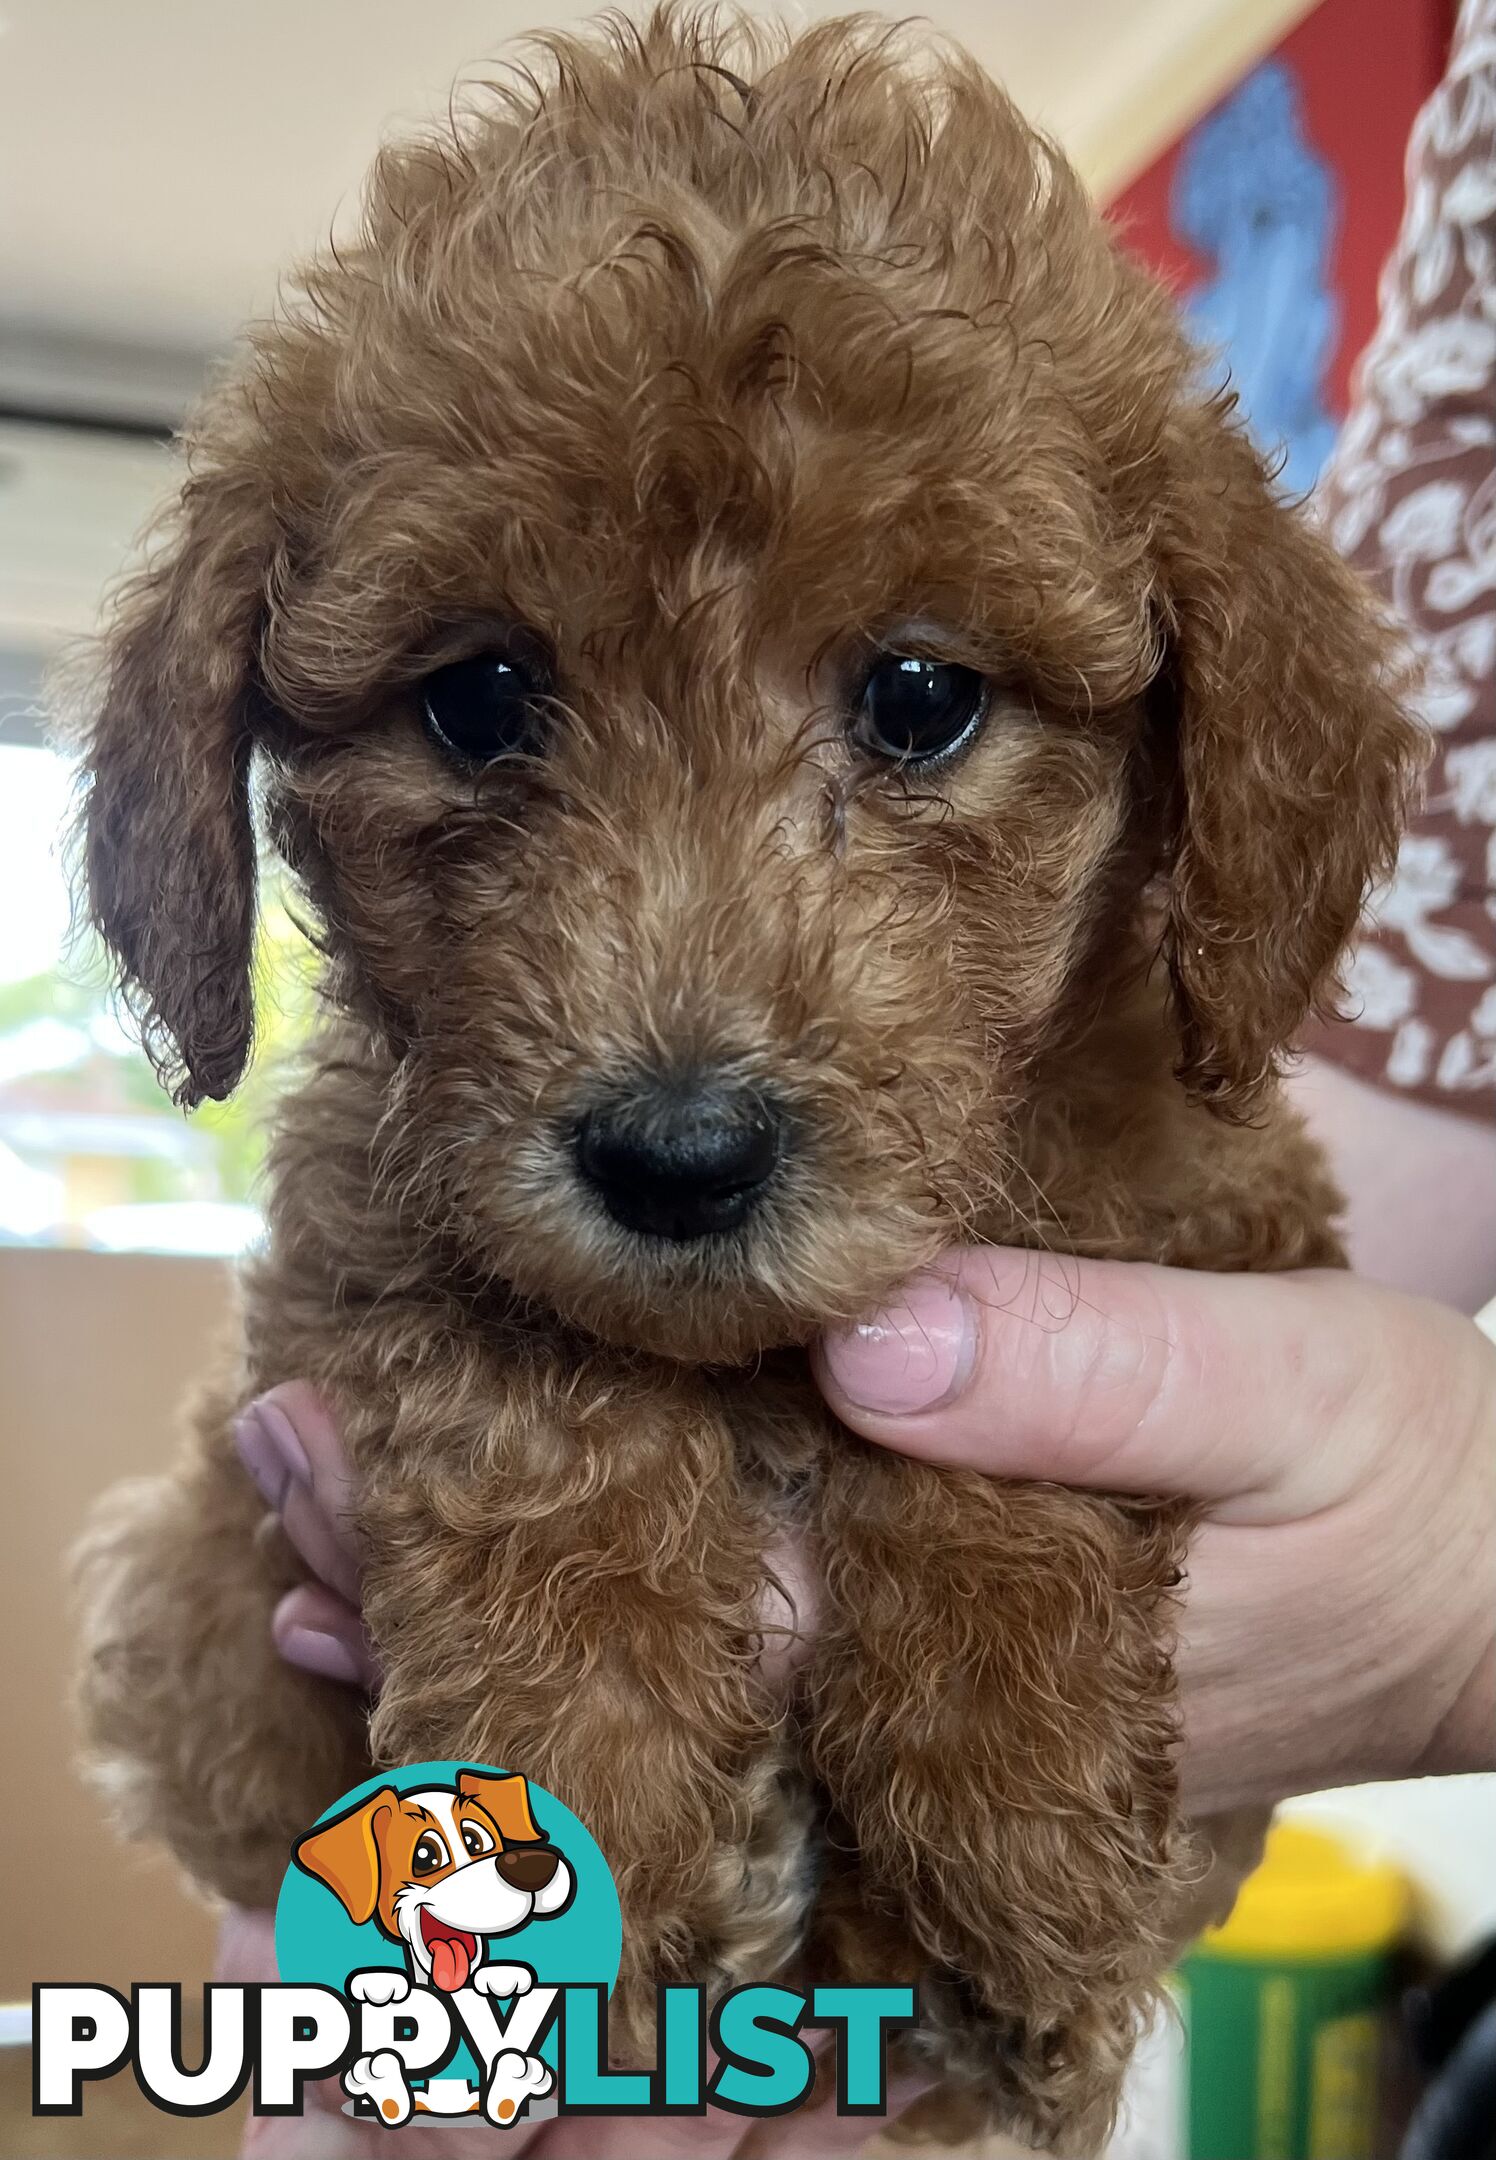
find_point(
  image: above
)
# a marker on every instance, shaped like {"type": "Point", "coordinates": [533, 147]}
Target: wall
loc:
{"type": "Point", "coordinates": [96, 1350]}
{"type": "Point", "coordinates": [1362, 68]}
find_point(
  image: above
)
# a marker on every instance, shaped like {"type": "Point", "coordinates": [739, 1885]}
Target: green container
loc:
{"type": "Point", "coordinates": [1282, 2007]}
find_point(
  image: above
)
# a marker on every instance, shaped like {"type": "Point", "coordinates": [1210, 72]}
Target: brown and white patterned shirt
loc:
{"type": "Point", "coordinates": [1410, 500]}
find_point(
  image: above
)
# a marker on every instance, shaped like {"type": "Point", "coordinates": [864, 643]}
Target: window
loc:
{"type": "Point", "coordinates": [92, 1152]}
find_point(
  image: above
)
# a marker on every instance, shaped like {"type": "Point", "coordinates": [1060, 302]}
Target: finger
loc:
{"type": "Point", "coordinates": [289, 1444]}
{"type": "Point", "coordinates": [327, 2133]}
{"type": "Point", "coordinates": [1242, 1390]}
{"type": "Point", "coordinates": [359, 2137]}
{"type": "Point", "coordinates": [246, 1958]}
{"type": "Point", "coordinates": [322, 2133]}
{"type": "Point", "coordinates": [314, 1628]}
{"type": "Point", "coordinates": [246, 1948]}
{"type": "Point", "coordinates": [617, 2137]}
{"type": "Point", "coordinates": [811, 2132]}
{"type": "Point", "coordinates": [806, 2133]}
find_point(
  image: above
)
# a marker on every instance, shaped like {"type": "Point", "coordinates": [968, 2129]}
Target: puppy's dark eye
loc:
{"type": "Point", "coordinates": [430, 1854]}
{"type": "Point", "coordinates": [476, 1840]}
{"type": "Point", "coordinates": [485, 708]}
{"type": "Point", "coordinates": [917, 710]}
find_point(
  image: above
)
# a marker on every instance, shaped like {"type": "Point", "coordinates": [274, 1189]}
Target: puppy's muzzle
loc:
{"type": "Point", "coordinates": [680, 1159]}
{"type": "Point", "coordinates": [528, 1867]}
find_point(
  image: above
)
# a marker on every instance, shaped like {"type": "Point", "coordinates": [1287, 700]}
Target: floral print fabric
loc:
{"type": "Point", "coordinates": [1410, 500]}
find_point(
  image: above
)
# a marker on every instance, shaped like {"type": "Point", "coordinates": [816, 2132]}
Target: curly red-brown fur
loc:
{"type": "Point", "coordinates": [708, 359]}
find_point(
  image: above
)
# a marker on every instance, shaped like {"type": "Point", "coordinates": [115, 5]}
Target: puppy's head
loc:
{"type": "Point", "coordinates": [744, 614]}
{"type": "Point", "coordinates": [440, 1870]}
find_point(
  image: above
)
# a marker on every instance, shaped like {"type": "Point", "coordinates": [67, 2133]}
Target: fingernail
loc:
{"type": "Point", "coordinates": [327, 1655]}
{"type": "Point", "coordinates": [270, 1451]}
{"type": "Point", "coordinates": [911, 1356]}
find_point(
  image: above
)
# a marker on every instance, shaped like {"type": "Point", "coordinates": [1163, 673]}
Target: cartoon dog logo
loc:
{"type": "Point", "coordinates": [439, 1871]}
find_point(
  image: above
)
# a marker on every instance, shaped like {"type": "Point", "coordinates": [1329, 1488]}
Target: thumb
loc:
{"type": "Point", "coordinates": [1124, 1377]}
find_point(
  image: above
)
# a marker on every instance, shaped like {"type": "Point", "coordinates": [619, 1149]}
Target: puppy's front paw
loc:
{"type": "Point", "coordinates": [380, 2079]}
{"type": "Point", "coordinates": [513, 2080]}
{"type": "Point", "coordinates": [503, 1980]}
{"type": "Point", "coordinates": [381, 1984]}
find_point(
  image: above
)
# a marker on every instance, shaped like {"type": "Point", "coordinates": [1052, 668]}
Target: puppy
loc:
{"type": "Point", "coordinates": [807, 736]}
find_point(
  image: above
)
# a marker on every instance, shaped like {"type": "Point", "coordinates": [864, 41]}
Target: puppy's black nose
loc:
{"type": "Point", "coordinates": [683, 1161]}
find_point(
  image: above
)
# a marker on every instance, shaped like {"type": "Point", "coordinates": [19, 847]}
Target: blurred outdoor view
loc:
{"type": "Point", "coordinates": [92, 1152]}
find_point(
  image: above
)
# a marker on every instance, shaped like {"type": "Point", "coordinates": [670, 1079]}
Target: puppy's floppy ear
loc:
{"type": "Point", "coordinates": [168, 846]}
{"type": "Point", "coordinates": [1293, 758]}
{"type": "Point", "coordinates": [507, 1800]}
{"type": "Point", "coordinates": [344, 1854]}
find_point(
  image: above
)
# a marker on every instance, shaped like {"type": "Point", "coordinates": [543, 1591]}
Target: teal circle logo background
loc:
{"type": "Point", "coordinates": [317, 1941]}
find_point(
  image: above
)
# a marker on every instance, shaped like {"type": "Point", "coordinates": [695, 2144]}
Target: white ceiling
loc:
{"type": "Point", "coordinates": [161, 159]}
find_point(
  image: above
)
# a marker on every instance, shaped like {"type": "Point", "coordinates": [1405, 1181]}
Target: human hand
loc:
{"type": "Point", "coordinates": [1339, 1617]}
{"type": "Point", "coordinates": [290, 1446]}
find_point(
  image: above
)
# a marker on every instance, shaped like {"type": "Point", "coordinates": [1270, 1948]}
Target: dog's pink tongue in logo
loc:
{"type": "Point", "coordinates": [452, 1953]}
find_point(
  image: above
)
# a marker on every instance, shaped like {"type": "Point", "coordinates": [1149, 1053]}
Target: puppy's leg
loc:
{"type": "Point", "coordinates": [567, 1583]}
{"type": "Point", "coordinates": [200, 1736]}
{"type": "Point", "coordinates": [991, 1714]}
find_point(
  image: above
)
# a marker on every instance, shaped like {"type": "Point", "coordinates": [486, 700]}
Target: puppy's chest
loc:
{"type": "Point", "coordinates": [781, 1430]}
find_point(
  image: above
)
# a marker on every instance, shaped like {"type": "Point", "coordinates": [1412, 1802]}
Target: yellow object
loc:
{"type": "Point", "coordinates": [1312, 1897]}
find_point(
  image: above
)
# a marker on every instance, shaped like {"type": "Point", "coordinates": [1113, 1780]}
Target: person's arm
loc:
{"type": "Point", "coordinates": [1420, 1182]}
{"type": "Point", "coordinates": [1405, 499]}
{"type": "Point", "coordinates": [1339, 1618]}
